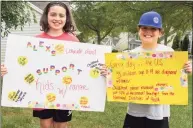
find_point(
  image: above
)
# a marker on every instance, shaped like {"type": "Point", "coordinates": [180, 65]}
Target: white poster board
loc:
{"type": "Point", "coordinates": [54, 74]}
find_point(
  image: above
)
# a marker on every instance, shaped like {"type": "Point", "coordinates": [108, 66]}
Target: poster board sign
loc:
{"type": "Point", "coordinates": [54, 74]}
{"type": "Point", "coordinates": [147, 77]}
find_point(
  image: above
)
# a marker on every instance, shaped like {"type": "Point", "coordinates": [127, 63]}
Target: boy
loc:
{"type": "Point", "coordinates": [144, 115]}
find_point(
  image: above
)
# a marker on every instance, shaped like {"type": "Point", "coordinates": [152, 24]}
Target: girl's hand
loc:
{"type": "Point", "coordinates": [103, 71]}
{"type": "Point", "coordinates": [3, 70]}
{"type": "Point", "coordinates": [188, 67]}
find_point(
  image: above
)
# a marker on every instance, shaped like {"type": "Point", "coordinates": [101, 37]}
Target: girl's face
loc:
{"type": "Point", "coordinates": [56, 18]}
{"type": "Point", "coordinates": [149, 35]}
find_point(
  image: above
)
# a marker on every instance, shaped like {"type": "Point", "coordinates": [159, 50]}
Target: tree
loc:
{"type": "Point", "coordinates": [92, 19]}
{"type": "Point", "coordinates": [99, 19]}
{"type": "Point", "coordinates": [15, 14]}
{"type": "Point", "coordinates": [185, 43]}
{"type": "Point", "coordinates": [172, 13]}
{"type": "Point", "coordinates": [176, 42]}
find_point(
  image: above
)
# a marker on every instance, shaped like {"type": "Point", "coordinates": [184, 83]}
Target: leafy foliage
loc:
{"type": "Point", "coordinates": [15, 14]}
{"type": "Point", "coordinates": [95, 18]}
{"type": "Point", "coordinates": [99, 19]}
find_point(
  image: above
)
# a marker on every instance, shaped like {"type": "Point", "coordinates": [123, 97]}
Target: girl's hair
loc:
{"type": "Point", "coordinates": [68, 27]}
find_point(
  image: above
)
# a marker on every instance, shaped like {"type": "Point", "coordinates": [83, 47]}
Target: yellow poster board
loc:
{"type": "Point", "coordinates": [147, 77]}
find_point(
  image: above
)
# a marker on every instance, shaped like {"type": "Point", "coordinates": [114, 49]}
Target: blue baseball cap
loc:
{"type": "Point", "coordinates": [152, 19]}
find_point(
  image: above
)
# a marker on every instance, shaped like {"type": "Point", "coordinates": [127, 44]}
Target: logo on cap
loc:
{"type": "Point", "coordinates": [155, 20]}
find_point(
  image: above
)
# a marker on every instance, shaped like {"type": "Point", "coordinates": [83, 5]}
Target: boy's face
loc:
{"type": "Point", "coordinates": [149, 35]}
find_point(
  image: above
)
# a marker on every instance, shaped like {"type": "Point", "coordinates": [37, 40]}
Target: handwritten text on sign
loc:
{"type": "Point", "coordinates": [54, 74]}
{"type": "Point", "coordinates": [147, 78]}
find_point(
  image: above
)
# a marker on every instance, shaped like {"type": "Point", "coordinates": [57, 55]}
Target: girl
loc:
{"type": "Point", "coordinates": [56, 22]}
{"type": "Point", "coordinates": [144, 115]}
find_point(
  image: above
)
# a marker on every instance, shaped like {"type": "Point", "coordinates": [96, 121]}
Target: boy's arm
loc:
{"type": "Point", "coordinates": [188, 67]}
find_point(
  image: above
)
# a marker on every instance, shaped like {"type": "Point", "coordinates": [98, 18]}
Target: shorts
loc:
{"type": "Point", "coordinates": [143, 122]}
{"type": "Point", "coordinates": [57, 115]}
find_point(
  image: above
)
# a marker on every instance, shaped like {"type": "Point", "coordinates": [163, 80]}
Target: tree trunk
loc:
{"type": "Point", "coordinates": [192, 48]}
{"type": "Point", "coordinates": [166, 38]}
{"type": "Point", "coordinates": [98, 38]}
{"type": "Point", "coordinates": [128, 36]}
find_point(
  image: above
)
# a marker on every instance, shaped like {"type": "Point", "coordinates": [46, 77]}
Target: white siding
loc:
{"type": "Point", "coordinates": [28, 30]}
{"type": "Point", "coordinates": [122, 44]}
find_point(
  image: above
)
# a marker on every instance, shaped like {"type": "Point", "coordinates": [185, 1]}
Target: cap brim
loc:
{"type": "Point", "coordinates": [149, 26]}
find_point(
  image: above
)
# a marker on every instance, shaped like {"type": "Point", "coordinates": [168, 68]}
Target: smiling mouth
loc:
{"type": "Point", "coordinates": [147, 36]}
{"type": "Point", "coordinates": [56, 23]}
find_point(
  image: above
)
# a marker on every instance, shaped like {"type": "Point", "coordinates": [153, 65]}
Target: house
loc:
{"type": "Point", "coordinates": [41, 5]}
{"type": "Point", "coordinates": [122, 42]}
{"type": "Point", "coordinates": [28, 30]}
{"type": "Point", "coordinates": [134, 43]}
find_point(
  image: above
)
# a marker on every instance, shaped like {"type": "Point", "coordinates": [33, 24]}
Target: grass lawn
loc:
{"type": "Point", "coordinates": [113, 117]}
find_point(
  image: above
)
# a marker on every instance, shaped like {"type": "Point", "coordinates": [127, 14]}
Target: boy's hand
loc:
{"type": "Point", "coordinates": [3, 70]}
{"type": "Point", "coordinates": [188, 67]}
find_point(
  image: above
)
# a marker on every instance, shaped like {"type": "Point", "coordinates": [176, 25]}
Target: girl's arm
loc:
{"type": "Point", "coordinates": [103, 71]}
{"type": "Point", "coordinates": [3, 70]}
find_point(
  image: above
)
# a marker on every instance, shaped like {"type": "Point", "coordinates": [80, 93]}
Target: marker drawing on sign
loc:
{"type": "Point", "coordinates": [22, 60]}
{"type": "Point", "coordinates": [29, 78]}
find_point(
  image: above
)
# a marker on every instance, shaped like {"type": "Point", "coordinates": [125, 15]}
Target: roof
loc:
{"type": "Point", "coordinates": [134, 41]}
{"type": "Point", "coordinates": [40, 4]}
{"type": "Point", "coordinates": [36, 7]}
